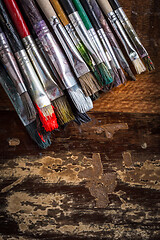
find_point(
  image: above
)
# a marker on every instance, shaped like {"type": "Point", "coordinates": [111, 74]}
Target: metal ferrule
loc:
{"type": "Point", "coordinates": [99, 47]}
{"type": "Point", "coordinates": [32, 81]}
{"type": "Point", "coordinates": [122, 36]}
{"type": "Point", "coordinates": [42, 69]}
{"type": "Point", "coordinates": [55, 54]}
{"type": "Point", "coordinates": [131, 32]}
{"type": "Point", "coordinates": [83, 34]}
{"type": "Point", "coordinates": [73, 35]}
{"type": "Point", "coordinates": [107, 46]}
{"type": "Point", "coordinates": [10, 63]}
{"type": "Point", "coordinates": [79, 66]}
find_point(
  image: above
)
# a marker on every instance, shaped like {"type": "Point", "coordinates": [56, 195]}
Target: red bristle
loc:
{"type": "Point", "coordinates": [49, 123]}
{"type": "Point", "coordinates": [41, 136]}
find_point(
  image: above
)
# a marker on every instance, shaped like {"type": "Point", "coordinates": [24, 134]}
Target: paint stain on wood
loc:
{"type": "Point", "coordinates": [13, 142]}
{"type": "Point", "coordinates": [110, 129]}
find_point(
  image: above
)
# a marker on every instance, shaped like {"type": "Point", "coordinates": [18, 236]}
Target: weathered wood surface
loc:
{"type": "Point", "coordinates": [96, 181]}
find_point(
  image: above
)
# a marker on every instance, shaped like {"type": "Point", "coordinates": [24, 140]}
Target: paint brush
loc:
{"type": "Point", "coordinates": [31, 125]}
{"type": "Point", "coordinates": [93, 35]}
{"type": "Point", "coordinates": [118, 73]}
{"type": "Point", "coordinates": [57, 56]}
{"type": "Point", "coordinates": [117, 51]}
{"type": "Point", "coordinates": [34, 87]}
{"type": "Point", "coordinates": [80, 28]}
{"type": "Point", "coordinates": [81, 70]}
{"type": "Point", "coordinates": [9, 61]}
{"type": "Point", "coordinates": [132, 34]}
{"type": "Point", "coordinates": [51, 88]}
{"type": "Point", "coordinates": [100, 32]}
{"type": "Point", "coordinates": [133, 55]}
{"type": "Point", "coordinates": [75, 38]}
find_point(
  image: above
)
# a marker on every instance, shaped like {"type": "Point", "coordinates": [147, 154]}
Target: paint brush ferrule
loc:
{"type": "Point", "coordinates": [83, 33]}
{"type": "Point", "coordinates": [43, 71]}
{"type": "Point", "coordinates": [32, 81]}
{"type": "Point", "coordinates": [55, 53]}
{"type": "Point", "coordinates": [107, 47]}
{"type": "Point", "coordinates": [97, 43]}
{"type": "Point", "coordinates": [131, 32]}
{"type": "Point", "coordinates": [69, 28]}
{"type": "Point", "coordinates": [79, 66]}
{"type": "Point", "coordinates": [10, 63]}
{"type": "Point", "coordinates": [122, 35]}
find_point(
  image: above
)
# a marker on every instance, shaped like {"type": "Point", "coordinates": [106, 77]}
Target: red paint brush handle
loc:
{"type": "Point", "coordinates": [17, 18]}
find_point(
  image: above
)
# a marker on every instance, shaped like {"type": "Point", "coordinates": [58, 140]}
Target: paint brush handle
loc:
{"type": "Point", "coordinates": [9, 30]}
{"type": "Point", "coordinates": [105, 6]}
{"type": "Point", "coordinates": [68, 6]}
{"type": "Point", "coordinates": [17, 18]}
{"type": "Point", "coordinates": [82, 14]}
{"type": "Point", "coordinates": [47, 8]}
{"type": "Point", "coordinates": [9, 61]}
{"type": "Point", "coordinates": [115, 4]}
{"type": "Point", "coordinates": [60, 13]}
{"type": "Point", "coordinates": [87, 7]}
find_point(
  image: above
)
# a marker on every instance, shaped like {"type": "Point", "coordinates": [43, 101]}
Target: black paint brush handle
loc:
{"type": "Point", "coordinates": [114, 4]}
{"type": "Point", "coordinates": [87, 7]}
{"type": "Point", "coordinates": [9, 30]}
{"type": "Point", "coordinates": [68, 6]}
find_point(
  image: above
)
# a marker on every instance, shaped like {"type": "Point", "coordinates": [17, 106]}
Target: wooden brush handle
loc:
{"type": "Point", "coordinates": [82, 14]}
{"type": "Point", "coordinates": [47, 8]}
{"type": "Point", "coordinates": [105, 6]}
{"type": "Point", "coordinates": [17, 18]}
{"type": "Point", "coordinates": [87, 7]}
{"type": "Point", "coordinates": [60, 13]}
{"type": "Point", "coordinates": [31, 11]}
{"type": "Point", "coordinates": [9, 30]}
{"type": "Point", "coordinates": [115, 4]}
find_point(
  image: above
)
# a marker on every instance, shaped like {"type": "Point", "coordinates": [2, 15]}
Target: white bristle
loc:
{"type": "Point", "coordinates": [81, 102]}
{"type": "Point", "coordinates": [139, 66]}
{"type": "Point", "coordinates": [47, 111]}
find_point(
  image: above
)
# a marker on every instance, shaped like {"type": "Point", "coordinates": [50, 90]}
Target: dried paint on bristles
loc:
{"type": "Point", "coordinates": [48, 118]}
{"type": "Point", "coordinates": [148, 63]}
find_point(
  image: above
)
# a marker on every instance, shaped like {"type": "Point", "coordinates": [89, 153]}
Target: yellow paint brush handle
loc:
{"type": "Point", "coordinates": [47, 8]}
{"type": "Point", "coordinates": [60, 13]}
{"type": "Point", "coordinates": [105, 6]}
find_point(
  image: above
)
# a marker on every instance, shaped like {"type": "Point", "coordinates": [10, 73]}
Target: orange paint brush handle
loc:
{"type": "Point", "coordinates": [60, 13]}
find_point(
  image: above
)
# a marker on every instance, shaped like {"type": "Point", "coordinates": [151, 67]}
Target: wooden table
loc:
{"type": "Point", "coordinates": [100, 180]}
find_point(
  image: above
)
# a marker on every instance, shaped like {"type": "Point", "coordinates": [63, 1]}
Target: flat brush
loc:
{"type": "Point", "coordinates": [51, 88]}
{"type": "Point", "coordinates": [80, 28]}
{"type": "Point", "coordinates": [100, 32]}
{"type": "Point", "coordinates": [132, 34]}
{"type": "Point", "coordinates": [117, 51]}
{"type": "Point", "coordinates": [41, 138]}
{"type": "Point", "coordinates": [75, 38]}
{"type": "Point", "coordinates": [56, 55]}
{"type": "Point", "coordinates": [105, 42]}
{"type": "Point", "coordinates": [87, 81]}
{"type": "Point", "coordinates": [133, 55]}
{"type": "Point", "coordinates": [34, 87]}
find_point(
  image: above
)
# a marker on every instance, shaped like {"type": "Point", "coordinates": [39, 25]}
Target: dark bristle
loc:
{"type": "Point", "coordinates": [32, 130]}
{"type": "Point", "coordinates": [148, 63]}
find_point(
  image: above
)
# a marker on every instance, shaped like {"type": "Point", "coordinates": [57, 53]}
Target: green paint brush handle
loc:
{"type": "Point", "coordinates": [82, 14]}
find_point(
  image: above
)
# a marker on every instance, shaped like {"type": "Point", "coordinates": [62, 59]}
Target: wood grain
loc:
{"type": "Point", "coordinates": [96, 181]}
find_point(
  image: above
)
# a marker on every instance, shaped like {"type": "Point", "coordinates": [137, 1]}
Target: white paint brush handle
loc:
{"type": "Point", "coordinates": [105, 6]}
{"type": "Point", "coordinates": [47, 8]}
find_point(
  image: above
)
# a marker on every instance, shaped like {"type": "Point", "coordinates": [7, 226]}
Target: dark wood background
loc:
{"type": "Point", "coordinates": [96, 181]}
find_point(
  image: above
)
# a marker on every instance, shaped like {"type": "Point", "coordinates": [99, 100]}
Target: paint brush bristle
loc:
{"type": "Point", "coordinates": [139, 66]}
{"type": "Point", "coordinates": [106, 76]}
{"type": "Point", "coordinates": [47, 117]}
{"type": "Point", "coordinates": [116, 77]}
{"type": "Point", "coordinates": [42, 139]}
{"type": "Point", "coordinates": [89, 84]}
{"type": "Point", "coordinates": [148, 63]}
{"type": "Point", "coordinates": [81, 102]}
{"type": "Point", "coordinates": [63, 110]}
{"type": "Point", "coordinates": [121, 75]}
{"type": "Point", "coordinates": [28, 106]}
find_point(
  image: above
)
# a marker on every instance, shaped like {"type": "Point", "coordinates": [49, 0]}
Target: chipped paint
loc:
{"type": "Point", "coordinates": [110, 129]}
